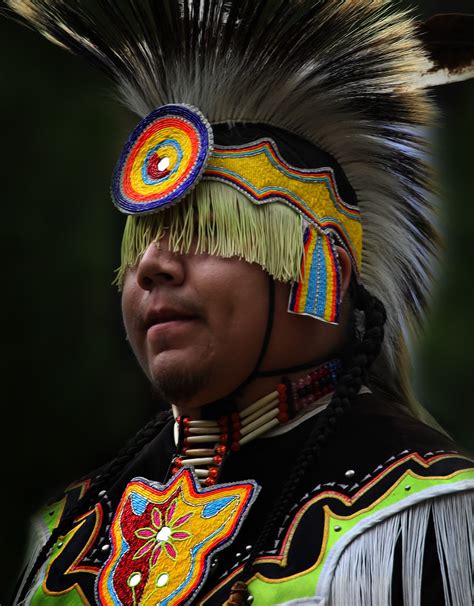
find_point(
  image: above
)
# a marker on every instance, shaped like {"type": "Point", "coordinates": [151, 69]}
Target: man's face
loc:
{"type": "Point", "coordinates": [195, 322]}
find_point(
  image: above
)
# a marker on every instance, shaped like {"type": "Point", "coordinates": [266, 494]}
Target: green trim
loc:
{"type": "Point", "coordinates": [49, 522]}
{"type": "Point", "coordinates": [71, 598]}
{"type": "Point", "coordinates": [305, 585]}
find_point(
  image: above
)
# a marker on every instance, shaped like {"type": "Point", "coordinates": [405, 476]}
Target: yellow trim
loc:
{"type": "Point", "coordinates": [258, 170]}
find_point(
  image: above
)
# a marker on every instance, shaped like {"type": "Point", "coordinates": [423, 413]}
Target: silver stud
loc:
{"type": "Point", "coordinates": [250, 599]}
{"type": "Point", "coordinates": [102, 493]}
{"type": "Point", "coordinates": [350, 473]}
{"type": "Point", "coordinates": [60, 544]}
{"type": "Point", "coordinates": [337, 528]}
{"type": "Point", "coordinates": [214, 562]}
{"type": "Point", "coordinates": [105, 547]}
{"type": "Point", "coordinates": [238, 555]}
{"type": "Point", "coordinates": [407, 488]}
{"type": "Point", "coordinates": [248, 547]}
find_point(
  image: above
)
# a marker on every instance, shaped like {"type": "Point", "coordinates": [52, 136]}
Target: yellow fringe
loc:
{"type": "Point", "coordinates": [219, 220]}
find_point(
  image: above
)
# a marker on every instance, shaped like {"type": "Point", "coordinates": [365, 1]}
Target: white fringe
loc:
{"type": "Point", "coordinates": [414, 524]}
{"type": "Point", "coordinates": [363, 578]}
{"type": "Point", "coordinates": [453, 521]}
{"type": "Point", "coordinates": [363, 574]}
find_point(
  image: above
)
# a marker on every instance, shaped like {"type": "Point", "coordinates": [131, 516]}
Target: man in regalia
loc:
{"type": "Point", "coordinates": [278, 250]}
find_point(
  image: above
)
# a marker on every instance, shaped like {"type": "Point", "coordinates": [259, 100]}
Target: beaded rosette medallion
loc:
{"type": "Point", "coordinates": [163, 159]}
{"type": "Point", "coordinates": [163, 538]}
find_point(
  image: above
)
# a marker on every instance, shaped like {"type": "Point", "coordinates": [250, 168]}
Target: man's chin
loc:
{"type": "Point", "coordinates": [175, 383]}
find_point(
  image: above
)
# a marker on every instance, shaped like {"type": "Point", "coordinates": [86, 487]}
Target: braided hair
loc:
{"type": "Point", "coordinates": [360, 357]}
{"type": "Point", "coordinates": [109, 473]}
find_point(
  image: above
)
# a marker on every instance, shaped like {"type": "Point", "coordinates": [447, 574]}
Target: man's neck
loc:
{"type": "Point", "coordinates": [252, 392]}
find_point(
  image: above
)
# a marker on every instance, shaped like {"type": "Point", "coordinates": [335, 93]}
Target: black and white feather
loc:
{"type": "Point", "coordinates": [345, 74]}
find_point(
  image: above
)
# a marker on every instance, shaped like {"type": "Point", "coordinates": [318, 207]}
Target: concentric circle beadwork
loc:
{"type": "Point", "coordinates": [163, 159]}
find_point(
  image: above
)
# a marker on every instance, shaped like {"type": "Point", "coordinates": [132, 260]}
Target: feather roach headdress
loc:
{"type": "Point", "coordinates": [327, 94]}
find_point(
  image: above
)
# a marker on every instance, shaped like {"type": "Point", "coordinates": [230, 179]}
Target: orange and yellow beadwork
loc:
{"type": "Point", "coordinates": [318, 294]}
{"type": "Point", "coordinates": [163, 538]}
{"type": "Point", "coordinates": [172, 149]}
{"type": "Point", "coordinates": [163, 159]}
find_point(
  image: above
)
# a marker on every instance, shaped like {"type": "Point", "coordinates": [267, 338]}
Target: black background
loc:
{"type": "Point", "coordinates": [72, 392]}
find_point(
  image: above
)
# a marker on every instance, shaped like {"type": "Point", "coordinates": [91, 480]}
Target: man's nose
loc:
{"type": "Point", "coordinates": [159, 266]}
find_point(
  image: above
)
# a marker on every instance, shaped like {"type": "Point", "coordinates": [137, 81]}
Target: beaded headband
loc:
{"type": "Point", "coordinates": [172, 149]}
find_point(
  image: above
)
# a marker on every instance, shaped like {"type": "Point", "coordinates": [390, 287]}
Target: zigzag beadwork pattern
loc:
{"type": "Point", "coordinates": [262, 175]}
{"type": "Point", "coordinates": [400, 480]}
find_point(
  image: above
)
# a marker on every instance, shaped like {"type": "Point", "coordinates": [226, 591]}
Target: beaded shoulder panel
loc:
{"type": "Point", "coordinates": [327, 518]}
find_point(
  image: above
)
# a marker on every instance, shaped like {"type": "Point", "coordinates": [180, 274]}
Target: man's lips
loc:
{"type": "Point", "coordinates": [166, 317]}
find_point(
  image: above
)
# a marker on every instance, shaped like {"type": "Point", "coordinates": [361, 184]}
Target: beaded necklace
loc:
{"type": "Point", "coordinates": [204, 444]}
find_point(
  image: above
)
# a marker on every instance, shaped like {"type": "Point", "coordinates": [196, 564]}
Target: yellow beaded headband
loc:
{"type": "Point", "coordinates": [173, 148]}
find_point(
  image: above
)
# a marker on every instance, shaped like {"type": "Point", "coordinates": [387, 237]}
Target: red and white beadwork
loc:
{"type": "Point", "coordinates": [204, 444]}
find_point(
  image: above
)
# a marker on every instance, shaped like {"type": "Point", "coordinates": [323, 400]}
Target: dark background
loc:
{"type": "Point", "coordinates": [72, 392]}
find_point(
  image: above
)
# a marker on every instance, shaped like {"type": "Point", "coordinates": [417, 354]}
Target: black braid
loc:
{"type": "Point", "coordinates": [353, 377]}
{"type": "Point", "coordinates": [110, 473]}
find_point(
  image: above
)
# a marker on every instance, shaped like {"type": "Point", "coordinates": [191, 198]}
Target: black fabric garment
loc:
{"type": "Point", "coordinates": [371, 435]}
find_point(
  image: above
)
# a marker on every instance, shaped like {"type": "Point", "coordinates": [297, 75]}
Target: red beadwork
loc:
{"type": "Point", "coordinates": [153, 170]}
{"type": "Point", "coordinates": [293, 397]}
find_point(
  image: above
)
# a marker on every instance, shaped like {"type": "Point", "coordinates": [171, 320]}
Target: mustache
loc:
{"type": "Point", "coordinates": [174, 304]}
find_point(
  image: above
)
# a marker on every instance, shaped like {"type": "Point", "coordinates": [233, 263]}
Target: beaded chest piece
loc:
{"type": "Point", "coordinates": [163, 537]}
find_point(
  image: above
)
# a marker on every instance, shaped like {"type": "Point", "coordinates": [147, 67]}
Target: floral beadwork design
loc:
{"type": "Point", "coordinates": [161, 535]}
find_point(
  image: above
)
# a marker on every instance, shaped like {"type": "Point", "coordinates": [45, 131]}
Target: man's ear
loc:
{"type": "Point", "coordinates": [346, 269]}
